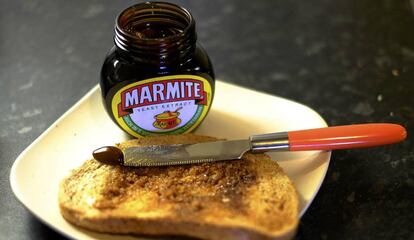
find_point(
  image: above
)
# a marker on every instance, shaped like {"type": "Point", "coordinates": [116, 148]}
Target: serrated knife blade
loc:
{"type": "Point", "coordinates": [185, 153]}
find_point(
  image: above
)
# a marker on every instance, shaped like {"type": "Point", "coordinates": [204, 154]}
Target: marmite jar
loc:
{"type": "Point", "coordinates": [156, 79]}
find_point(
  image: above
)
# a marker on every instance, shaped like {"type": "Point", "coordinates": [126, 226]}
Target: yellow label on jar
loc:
{"type": "Point", "coordinates": [173, 104]}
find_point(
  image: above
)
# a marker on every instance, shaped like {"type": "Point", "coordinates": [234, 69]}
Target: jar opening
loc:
{"type": "Point", "coordinates": [155, 29]}
{"type": "Point", "coordinates": [155, 20]}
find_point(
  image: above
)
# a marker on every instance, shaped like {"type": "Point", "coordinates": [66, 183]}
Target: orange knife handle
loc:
{"type": "Point", "coordinates": [345, 137]}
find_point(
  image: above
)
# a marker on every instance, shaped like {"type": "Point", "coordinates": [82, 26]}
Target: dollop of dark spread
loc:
{"type": "Point", "coordinates": [109, 155]}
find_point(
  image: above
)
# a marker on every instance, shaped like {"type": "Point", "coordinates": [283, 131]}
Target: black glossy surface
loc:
{"type": "Point", "coordinates": [350, 60]}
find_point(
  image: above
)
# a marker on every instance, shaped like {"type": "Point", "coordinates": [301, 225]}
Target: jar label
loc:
{"type": "Point", "coordinates": [173, 104]}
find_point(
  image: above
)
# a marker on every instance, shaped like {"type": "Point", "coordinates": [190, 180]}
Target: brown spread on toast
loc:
{"type": "Point", "coordinates": [250, 198]}
{"type": "Point", "coordinates": [190, 185]}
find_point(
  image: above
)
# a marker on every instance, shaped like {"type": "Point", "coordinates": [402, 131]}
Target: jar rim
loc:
{"type": "Point", "coordinates": [159, 6]}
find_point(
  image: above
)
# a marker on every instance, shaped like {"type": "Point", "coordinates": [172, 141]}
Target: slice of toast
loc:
{"type": "Point", "coordinates": [250, 198]}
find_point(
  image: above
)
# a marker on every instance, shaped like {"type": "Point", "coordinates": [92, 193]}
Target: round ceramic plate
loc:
{"type": "Point", "coordinates": [236, 113]}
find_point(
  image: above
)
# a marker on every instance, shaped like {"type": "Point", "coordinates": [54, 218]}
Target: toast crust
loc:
{"type": "Point", "coordinates": [250, 198]}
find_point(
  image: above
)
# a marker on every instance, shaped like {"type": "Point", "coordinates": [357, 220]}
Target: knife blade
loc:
{"type": "Point", "coordinates": [177, 154]}
{"type": "Point", "coordinates": [329, 138]}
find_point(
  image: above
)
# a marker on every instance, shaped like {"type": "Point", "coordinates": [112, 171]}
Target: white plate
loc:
{"type": "Point", "coordinates": [236, 113]}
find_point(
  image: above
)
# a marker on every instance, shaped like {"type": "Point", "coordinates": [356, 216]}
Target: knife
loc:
{"type": "Point", "coordinates": [328, 138]}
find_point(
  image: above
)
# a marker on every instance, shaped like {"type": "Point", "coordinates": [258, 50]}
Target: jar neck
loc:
{"type": "Point", "coordinates": [156, 33]}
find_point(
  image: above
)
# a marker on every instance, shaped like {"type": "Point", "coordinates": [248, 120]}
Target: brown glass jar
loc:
{"type": "Point", "coordinates": [156, 79]}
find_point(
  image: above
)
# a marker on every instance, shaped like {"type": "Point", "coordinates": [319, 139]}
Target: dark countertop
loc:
{"type": "Point", "coordinates": [351, 61]}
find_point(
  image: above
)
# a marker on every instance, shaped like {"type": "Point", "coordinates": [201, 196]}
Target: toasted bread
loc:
{"type": "Point", "coordinates": [250, 198]}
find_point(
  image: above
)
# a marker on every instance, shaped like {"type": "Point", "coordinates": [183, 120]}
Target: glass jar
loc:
{"type": "Point", "coordinates": [156, 79]}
